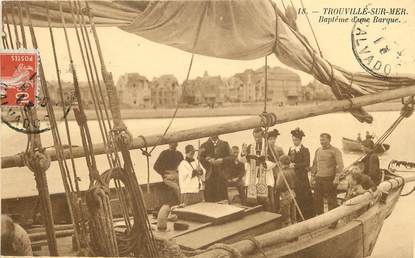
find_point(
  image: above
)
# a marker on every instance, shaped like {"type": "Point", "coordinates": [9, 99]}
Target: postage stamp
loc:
{"type": "Point", "coordinates": [19, 77]}
{"type": "Point", "coordinates": [21, 92]}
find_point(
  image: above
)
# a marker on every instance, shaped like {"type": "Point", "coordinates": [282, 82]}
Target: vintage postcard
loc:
{"type": "Point", "coordinates": [208, 128]}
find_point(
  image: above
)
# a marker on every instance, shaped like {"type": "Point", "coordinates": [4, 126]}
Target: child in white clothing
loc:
{"type": "Point", "coordinates": [190, 178]}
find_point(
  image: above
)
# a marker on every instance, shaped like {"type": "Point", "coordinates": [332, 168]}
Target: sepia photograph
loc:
{"type": "Point", "coordinates": [207, 128]}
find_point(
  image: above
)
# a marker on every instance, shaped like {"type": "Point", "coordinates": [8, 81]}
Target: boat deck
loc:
{"type": "Point", "coordinates": [229, 227]}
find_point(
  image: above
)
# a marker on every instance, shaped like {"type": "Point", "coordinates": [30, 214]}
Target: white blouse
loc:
{"type": "Point", "coordinates": [187, 183]}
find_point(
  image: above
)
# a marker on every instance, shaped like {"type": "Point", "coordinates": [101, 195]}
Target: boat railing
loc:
{"type": "Point", "coordinates": [294, 231]}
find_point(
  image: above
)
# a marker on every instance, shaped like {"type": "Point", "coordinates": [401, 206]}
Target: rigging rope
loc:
{"type": "Point", "coordinates": [4, 35]}
{"type": "Point", "coordinates": [141, 231]}
{"type": "Point", "coordinates": [290, 191]}
{"type": "Point", "coordinates": [292, 4]}
{"type": "Point", "coordinates": [148, 153]}
{"type": "Point", "coordinates": [266, 85]}
{"type": "Point", "coordinates": [98, 197]}
{"type": "Point", "coordinates": [21, 24]}
{"type": "Point", "coordinates": [89, 76]}
{"type": "Point", "coordinates": [67, 181]}
{"type": "Point", "coordinates": [266, 124]}
{"type": "Point", "coordinates": [283, 5]}
{"type": "Point", "coordinates": [73, 198]}
{"type": "Point", "coordinates": [82, 22]}
{"type": "Point", "coordinates": [81, 113]}
{"type": "Point", "coordinates": [16, 33]}
{"type": "Point", "coordinates": [8, 30]}
{"type": "Point", "coordinates": [111, 152]}
{"type": "Point", "coordinates": [35, 158]}
{"type": "Point", "coordinates": [312, 29]}
{"type": "Point", "coordinates": [185, 81]}
{"type": "Point", "coordinates": [406, 111]}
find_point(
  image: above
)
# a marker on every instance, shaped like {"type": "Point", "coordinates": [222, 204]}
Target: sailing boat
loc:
{"type": "Point", "coordinates": [217, 22]}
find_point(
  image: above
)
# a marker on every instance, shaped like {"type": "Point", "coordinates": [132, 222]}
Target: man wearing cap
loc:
{"type": "Point", "coordinates": [371, 161]}
{"type": "Point", "coordinates": [190, 178]}
{"type": "Point", "coordinates": [326, 170]}
{"type": "Point", "coordinates": [211, 155]}
{"type": "Point", "coordinates": [166, 165]}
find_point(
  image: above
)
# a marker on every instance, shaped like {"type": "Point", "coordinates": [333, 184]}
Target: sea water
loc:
{"type": "Point", "coordinates": [19, 182]}
{"type": "Point", "coordinates": [396, 238]}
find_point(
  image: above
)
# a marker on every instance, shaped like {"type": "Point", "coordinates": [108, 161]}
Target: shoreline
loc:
{"type": "Point", "coordinates": [193, 112]}
{"type": "Point", "coordinates": [243, 110]}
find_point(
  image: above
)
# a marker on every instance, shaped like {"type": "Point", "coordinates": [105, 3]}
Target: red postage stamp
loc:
{"type": "Point", "coordinates": [19, 77]}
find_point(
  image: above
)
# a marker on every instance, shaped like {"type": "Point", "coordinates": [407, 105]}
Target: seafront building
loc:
{"type": "Point", "coordinates": [68, 91]}
{"type": "Point", "coordinates": [206, 90]}
{"type": "Point", "coordinates": [165, 91]}
{"type": "Point", "coordinates": [134, 90]}
{"type": "Point", "coordinates": [284, 86]}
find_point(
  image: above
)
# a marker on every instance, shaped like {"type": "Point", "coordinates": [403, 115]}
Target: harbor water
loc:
{"type": "Point", "coordinates": [396, 238]}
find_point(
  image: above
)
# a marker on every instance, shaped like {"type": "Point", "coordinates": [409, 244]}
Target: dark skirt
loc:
{"type": "Point", "coordinates": [304, 197]}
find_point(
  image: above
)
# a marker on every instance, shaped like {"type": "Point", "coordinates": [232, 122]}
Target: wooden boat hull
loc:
{"type": "Point", "coordinates": [359, 221]}
{"type": "Point", "coordinates": [355, 146]}
{"type": "Point", "coordinates": [354, 240]}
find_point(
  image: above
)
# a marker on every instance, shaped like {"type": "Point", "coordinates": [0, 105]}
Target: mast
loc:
{"type": "Point", "coordinates": [231, 127]}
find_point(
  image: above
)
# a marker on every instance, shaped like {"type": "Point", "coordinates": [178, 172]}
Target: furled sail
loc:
{"type": "Point", "coordinates": [239, 30]}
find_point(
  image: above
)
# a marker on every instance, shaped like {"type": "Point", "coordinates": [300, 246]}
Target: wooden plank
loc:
{"type": "Point", "coordinates": [209, 212]}
{"type": "Point", "coordinates": [247, 211]}
{"type": "Point", "coordinates": [213, 234]}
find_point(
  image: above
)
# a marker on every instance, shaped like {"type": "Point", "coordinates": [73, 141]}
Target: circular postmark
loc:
{"type": "Point", "coordinates": [377, 48]}
{"type": "Point", "coordinates": [21, 120]}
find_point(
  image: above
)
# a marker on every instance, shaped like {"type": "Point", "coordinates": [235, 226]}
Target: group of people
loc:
{"type": "Point", "coordinates": [368, 136]}
{"type": "Point", "coordinates": [263, 174]}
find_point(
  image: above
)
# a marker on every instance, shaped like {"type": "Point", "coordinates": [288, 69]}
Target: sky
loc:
{"type": "Point", "coordinates": [125, 52]}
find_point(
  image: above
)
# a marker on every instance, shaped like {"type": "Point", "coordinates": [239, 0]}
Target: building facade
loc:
{"type": "Point", "coordinates": [165, 91]}
{"type": "Point", "coordinates": [317, 91]}
{"type": "Point", "coordinates": [209, 90]}
{"type": "Point", "coordinates": [68, 92]}
{"type": "Point", "coordinates": [284, 86]}
{"type": "Point", "coordinates": [134, 90]}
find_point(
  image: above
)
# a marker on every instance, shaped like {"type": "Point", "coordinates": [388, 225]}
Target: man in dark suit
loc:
{"type": "Point", "coordinates": [211, 155]}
